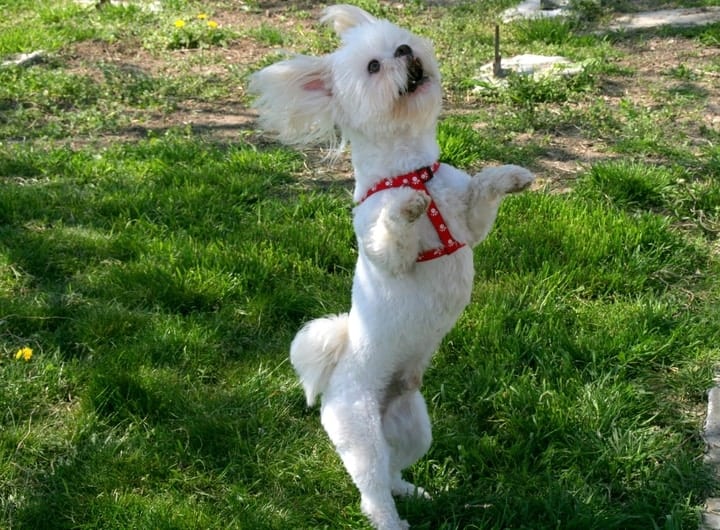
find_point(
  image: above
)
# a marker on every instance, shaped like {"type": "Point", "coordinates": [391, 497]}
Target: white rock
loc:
{"type": "Point", "coordinates": [24, 59]}
{"type": "Point", "coordinates": [538, 66]}
{"type": "Point", "coordinates": [667, 17]}
{"type": "Point", "coordinates": [531, 9]}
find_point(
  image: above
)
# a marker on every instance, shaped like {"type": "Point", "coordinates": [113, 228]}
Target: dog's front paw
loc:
{"type": "Point", "coordinates": [501, 180]}
{"type": "Point", "coordinates": [517, 178]}
{"type": "Point", "coordinates": [415, 206]}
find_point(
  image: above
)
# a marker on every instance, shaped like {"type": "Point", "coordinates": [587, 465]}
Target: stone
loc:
{"type": "Point", "coordinates": [666, 17]}
{"type": "Point", "coordinates": [537, 66]}
{"type": "Point", "coordinates": [710, 519]}
{"type": "Point", "coordinates": [24, 59]}
{"type": "Point", "coordinates": [535, 9]}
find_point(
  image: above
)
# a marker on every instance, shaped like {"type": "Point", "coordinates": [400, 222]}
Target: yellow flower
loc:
{"type": "Point", "coordinates": [212, 24]}
{"type": "Point", "coordinates": [24, 353]}
{"type": "Point", "coordinates": [202, 16]}
{"type": "Point", "coordinates": [179, 23]}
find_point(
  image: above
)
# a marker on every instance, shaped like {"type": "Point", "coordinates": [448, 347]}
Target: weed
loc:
{"type": "Point", "coordinates": [549, 31]}
{"type": "Point", "coordinates": [683, 72]}
{"type": "Point", "coordinates": [268, 35]}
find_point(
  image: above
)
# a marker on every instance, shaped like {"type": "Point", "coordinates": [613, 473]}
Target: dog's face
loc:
{"type": "Point", "coordinates": [383, 82]}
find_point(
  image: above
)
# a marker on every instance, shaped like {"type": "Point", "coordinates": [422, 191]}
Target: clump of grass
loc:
{"type": "Point", "coordinates": [268, 35]}
{"type": "Point", "coordinates": [462, 145]}
{"type": "Point", "coordinates": [692, 201]}
{"type": "Point", "coordinates": [589, 10]}
{"type": "Point", "coordinates": [630, 184]}
{"type": "Point", "coordinates": [548, 31]}
{"type": "Point", "coordinates": [525, 90]}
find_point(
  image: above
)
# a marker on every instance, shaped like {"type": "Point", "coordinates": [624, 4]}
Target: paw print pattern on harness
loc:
{"type": "Point", "coordinates": [417, 180]}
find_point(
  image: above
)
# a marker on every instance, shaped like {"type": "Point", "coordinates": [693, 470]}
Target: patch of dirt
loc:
{"type": "Point", "coordinates": [655, 59]}
{"type": "Point", "coordinates": [222, 118]}
{"type": "Point", "coordinates": [678, 72]}
{"type": "Point", "coordinates": [84, 57]}
{"type": "Point", "coordinates": [564, 159]}
{"type": "Point", "coordinates": [676, 78]}
{"type": "Point", "coordinates": [638, 6]}
{"type": "Point", "coordinates": [660, 68]}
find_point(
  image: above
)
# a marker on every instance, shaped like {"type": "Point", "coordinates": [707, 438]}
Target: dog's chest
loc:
{"type": "Point", "coordinates": [446, 284]}
{"type": "Point", "coordinates": [417, 309]}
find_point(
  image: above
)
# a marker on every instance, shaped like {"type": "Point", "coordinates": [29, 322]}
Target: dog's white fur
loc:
{"type": "Point", "coordinates": [368, 364]}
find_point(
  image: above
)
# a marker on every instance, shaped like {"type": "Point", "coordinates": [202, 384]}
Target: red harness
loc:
{"type": "Point", "coordinates": [417, 180]}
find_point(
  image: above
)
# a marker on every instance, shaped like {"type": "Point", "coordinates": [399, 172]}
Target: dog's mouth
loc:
{"type": "Point", "coordinates": [415, 76]}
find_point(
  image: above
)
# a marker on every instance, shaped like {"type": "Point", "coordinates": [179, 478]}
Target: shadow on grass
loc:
{"type": "Point", "coordinates": [163, 452]}
{"type": "Point", "coordinates": [169, 277]}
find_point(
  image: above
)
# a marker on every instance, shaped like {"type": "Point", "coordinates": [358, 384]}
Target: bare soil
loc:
{"type": "Point", "coordinates": [649, 60]}
{"type": "Point", "coordinates": [649, 85]}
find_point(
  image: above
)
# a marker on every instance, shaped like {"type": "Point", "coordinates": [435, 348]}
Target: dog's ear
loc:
{"type": "Point", "coordinates": [295, 100]}
{"type": "Point", "coordinates": [343, 17]}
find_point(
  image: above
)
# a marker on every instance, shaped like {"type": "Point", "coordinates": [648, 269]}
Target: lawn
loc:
{"type": "Point", "coordinates": [157, 254]}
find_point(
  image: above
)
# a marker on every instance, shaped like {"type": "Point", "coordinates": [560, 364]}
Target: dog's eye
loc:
{"type": "Point", "coordinates": [374, 66]}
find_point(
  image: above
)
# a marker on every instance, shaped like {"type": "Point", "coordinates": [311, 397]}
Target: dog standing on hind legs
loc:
{"type": "Point", "coordinates": [416, 222]}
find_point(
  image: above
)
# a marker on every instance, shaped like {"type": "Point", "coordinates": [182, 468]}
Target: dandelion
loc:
{"type": "Point", "coordinates": [202, 16]}
{"type": "Point", "coordinates": [212, 24]}
{"type": "Point", "coordinates": [24, 353]}
{"type": "Point", "coordinates": [179, 23]}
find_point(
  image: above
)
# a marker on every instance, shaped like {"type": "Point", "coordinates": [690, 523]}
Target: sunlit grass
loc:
{"type": "Point", "coordinates": [150, 285]}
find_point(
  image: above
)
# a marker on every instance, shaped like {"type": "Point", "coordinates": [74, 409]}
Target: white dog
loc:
{"type": "Point", "coordinates": [416, 223]}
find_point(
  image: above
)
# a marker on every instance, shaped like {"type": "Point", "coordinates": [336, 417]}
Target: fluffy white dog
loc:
{"type": "Point", "coordinates": [416, 223]}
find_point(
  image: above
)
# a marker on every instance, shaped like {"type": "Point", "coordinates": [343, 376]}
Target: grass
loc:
{"type": "Point", "coordinates": [158, 271]}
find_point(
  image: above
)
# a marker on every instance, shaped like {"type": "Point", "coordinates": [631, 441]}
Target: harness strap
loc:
{"type": "Point", "coordinates": [417, 180]}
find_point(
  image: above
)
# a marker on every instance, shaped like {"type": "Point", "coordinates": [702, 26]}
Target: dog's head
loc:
{"type": "Point", "coordinates": [382, 82]}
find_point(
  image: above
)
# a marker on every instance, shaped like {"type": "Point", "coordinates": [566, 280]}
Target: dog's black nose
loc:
{"type": "Point", "coordinates": [403, 50]}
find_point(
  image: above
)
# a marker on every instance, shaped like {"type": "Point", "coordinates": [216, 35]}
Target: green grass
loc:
{"type": "Point", "coordinates": [159, 272]}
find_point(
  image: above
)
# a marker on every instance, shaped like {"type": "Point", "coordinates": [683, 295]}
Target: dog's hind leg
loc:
{"type": "Point", "coordinates": [353, 423]}
{"type": "Point", "coordinates": [406, 425]}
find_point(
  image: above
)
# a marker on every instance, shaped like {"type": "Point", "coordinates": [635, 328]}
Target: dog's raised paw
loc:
{"type": "Point", "coordinates": [497, 181]}
{"type": "Point", "coordinates": [415, 206]}
{"type": "Point", "coordinates": [518, 179]}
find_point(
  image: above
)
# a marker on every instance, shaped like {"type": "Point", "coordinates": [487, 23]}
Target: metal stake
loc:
{"type": "Point", "coordinates": [497, 64]}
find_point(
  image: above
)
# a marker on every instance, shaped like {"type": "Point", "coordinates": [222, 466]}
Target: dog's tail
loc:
{"type": "Point", "coordinates": [315, 351]}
